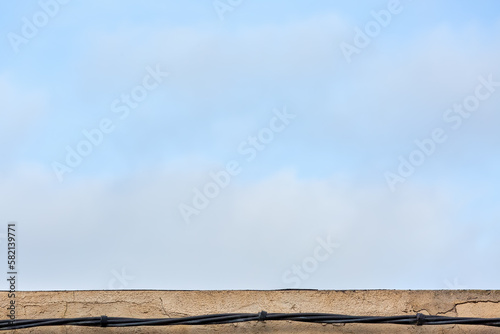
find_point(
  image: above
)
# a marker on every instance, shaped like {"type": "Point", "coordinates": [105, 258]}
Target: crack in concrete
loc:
{"type": "Point", "coordinates": [454, 308]}
{"type": "Point", "coordinates": [163, 307]}
{"type": "Point", "coordinates": [169, 315]}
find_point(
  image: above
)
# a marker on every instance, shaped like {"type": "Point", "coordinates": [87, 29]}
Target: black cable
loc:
{"type": "Point", "coordinates": [418, 319]}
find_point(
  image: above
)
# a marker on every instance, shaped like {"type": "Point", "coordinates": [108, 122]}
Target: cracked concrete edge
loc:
{"type": "Point", "coordinates": [172, 304]}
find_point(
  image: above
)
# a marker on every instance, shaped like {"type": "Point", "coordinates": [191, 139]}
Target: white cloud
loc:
{"type": "Point", "coordinates": [20, 110]}
{"type": "Point", "coordinates": [395, 95]}
{"type": "Point", "coordinates": [245, 239]}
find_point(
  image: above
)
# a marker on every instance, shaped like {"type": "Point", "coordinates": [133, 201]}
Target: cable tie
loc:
{"type": "Point", "coordinates": [420, 319]}
{"type": "Point", "coordinates": [104, 321]}
{"type": "Point", "coordinates": [262, 315]}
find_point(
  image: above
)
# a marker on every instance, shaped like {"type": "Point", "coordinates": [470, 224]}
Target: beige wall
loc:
{"type": "Point", "coordinates": [150, 304]}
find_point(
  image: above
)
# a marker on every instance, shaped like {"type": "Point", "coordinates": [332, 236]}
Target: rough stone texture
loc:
{"type": "Point", "coordinates": [155, 304]}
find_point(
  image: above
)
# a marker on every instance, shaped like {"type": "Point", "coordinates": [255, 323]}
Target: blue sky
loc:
{"type": "Point", "coordinates": [322, 175]}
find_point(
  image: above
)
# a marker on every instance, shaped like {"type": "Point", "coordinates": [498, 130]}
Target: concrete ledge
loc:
{"type": "Point", "coordinates": [156, 304]}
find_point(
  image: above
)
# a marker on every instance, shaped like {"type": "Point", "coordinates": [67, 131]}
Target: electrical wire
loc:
{"type": "Point", "coordinates": [418, 319]}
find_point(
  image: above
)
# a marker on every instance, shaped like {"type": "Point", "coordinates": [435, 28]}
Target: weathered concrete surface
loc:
{"type": "Point", "coordinates": [155, 304]}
